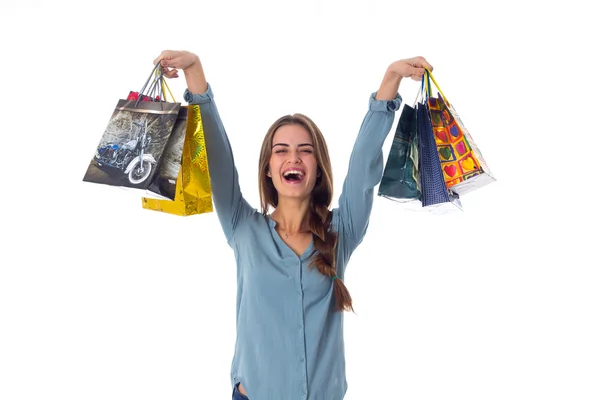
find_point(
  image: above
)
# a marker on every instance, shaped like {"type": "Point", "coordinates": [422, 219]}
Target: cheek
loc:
{"type": "Point", "coordinates": [273, 165]}
{"type": "Point", "coordinates": [311, 162]}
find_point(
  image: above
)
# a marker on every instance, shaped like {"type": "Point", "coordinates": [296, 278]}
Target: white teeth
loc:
{"type": "Point", "coordinates": [287, 173]}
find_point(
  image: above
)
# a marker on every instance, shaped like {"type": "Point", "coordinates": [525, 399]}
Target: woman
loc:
{"type": "Point", "coordinates": [291, 262]}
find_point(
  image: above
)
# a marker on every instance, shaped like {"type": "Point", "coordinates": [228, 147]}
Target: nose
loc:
{"type": "Point", "coordinates": [295, 157]}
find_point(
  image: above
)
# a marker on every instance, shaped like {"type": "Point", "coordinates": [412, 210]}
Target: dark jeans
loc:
{"type": "Point", "coordinates": [237, 395]}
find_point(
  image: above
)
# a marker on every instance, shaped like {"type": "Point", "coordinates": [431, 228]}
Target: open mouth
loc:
{"type": "Point", "coordinates": [293, 175]}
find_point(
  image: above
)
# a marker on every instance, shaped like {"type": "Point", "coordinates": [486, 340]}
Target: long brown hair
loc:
{"type": "Point", "coordinates": [319, 215]}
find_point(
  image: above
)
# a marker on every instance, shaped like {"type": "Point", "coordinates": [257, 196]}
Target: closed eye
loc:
{"type": "Point", "coordinates": [303, 149]}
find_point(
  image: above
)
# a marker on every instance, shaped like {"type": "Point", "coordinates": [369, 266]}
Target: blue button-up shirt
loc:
{"type": "Point", "coordinates": [289, 342]}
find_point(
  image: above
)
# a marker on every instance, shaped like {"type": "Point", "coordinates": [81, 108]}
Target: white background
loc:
{"type": "Point", "coordinates": [101, 299]}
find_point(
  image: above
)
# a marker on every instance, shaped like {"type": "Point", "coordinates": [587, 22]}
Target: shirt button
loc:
{"type": "Point", "coordinates": [391, 106]}
{"type": "Point", "coordinates": [299, 326]}
{"type": "Point", "coordinates": [302, 360]}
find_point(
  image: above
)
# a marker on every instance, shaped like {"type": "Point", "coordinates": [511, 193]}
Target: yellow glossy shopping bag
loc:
{"type": "Point", "coordinates": [192, 187]}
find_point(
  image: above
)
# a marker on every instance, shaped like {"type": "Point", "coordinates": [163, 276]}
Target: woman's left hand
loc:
{"type": "Point", "coordinates": [413, 68]}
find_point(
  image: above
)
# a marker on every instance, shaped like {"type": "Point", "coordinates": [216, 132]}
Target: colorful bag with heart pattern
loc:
{"type": "Point", "coordinates": [461, 161]}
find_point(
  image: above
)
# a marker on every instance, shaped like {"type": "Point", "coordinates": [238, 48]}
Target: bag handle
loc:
{"type": "Point", "coordinates": [160, 84]}
{"type": "Point", "coordinates": [155, 70]}
{"type": "Point", "coordinates": [164, 85]}
{"type": "Point", "coordinates": [428, 85]}
{"type": "Point", "coordinates": [420, 98]}
{"type": "Point", "coordinates": [157, 87]}
{"type": "Point", "coordinates": [425, 91]}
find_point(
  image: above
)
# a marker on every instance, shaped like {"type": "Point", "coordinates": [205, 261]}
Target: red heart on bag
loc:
{"type": "Point", "coordinates": [441, 135]}
{"type": "Point", "coordinates": [450, 170]}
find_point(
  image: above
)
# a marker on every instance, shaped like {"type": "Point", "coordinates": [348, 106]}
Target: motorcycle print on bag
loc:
{"type": "Point", "coordinates": [130, 151]}
{"type": "Point", "coordinates": [129, 157]}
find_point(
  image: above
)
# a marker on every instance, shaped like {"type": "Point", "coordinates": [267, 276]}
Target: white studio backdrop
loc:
{"type": "Point", "coordinates": [101, 299]}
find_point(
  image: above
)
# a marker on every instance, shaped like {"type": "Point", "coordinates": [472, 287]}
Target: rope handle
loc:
{"type": "Point", "coordinates": [165, 85]}
{"type": "Point", "coordinates": [428, 85]}
{"type": "Point", "coordinates": [157, 87]}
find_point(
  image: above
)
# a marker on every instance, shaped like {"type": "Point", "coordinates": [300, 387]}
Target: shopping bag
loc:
{"type": "Point", "coordinates": [400, 180]}
{"type": "Point", "coordinates": [131, 148]}
{"type": "Point", "coordinates": [461, 161]}
{"type": "Point", "coordinates": [192, 190]}
{"type": "Point", "coordinates": [434, 192]}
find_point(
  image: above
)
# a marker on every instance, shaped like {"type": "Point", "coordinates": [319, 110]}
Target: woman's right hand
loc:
{"type": "Point", "coordinates": [173, 60]}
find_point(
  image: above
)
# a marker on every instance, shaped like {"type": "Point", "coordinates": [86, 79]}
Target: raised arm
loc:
{"type": "Point", "coordinates": [231, 207]}
{"type": "Point", "coordinates": [366, 161]}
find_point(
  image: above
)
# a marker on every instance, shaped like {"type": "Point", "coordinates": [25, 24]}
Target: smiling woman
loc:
{"type": "Point", "coordinates": [291, 262]}
{"type": "Point", "coordinates": [291, 157]}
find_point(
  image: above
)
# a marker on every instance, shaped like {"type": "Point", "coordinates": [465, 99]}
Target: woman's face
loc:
{"type": "Point", "coordinates": [293, 165]}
